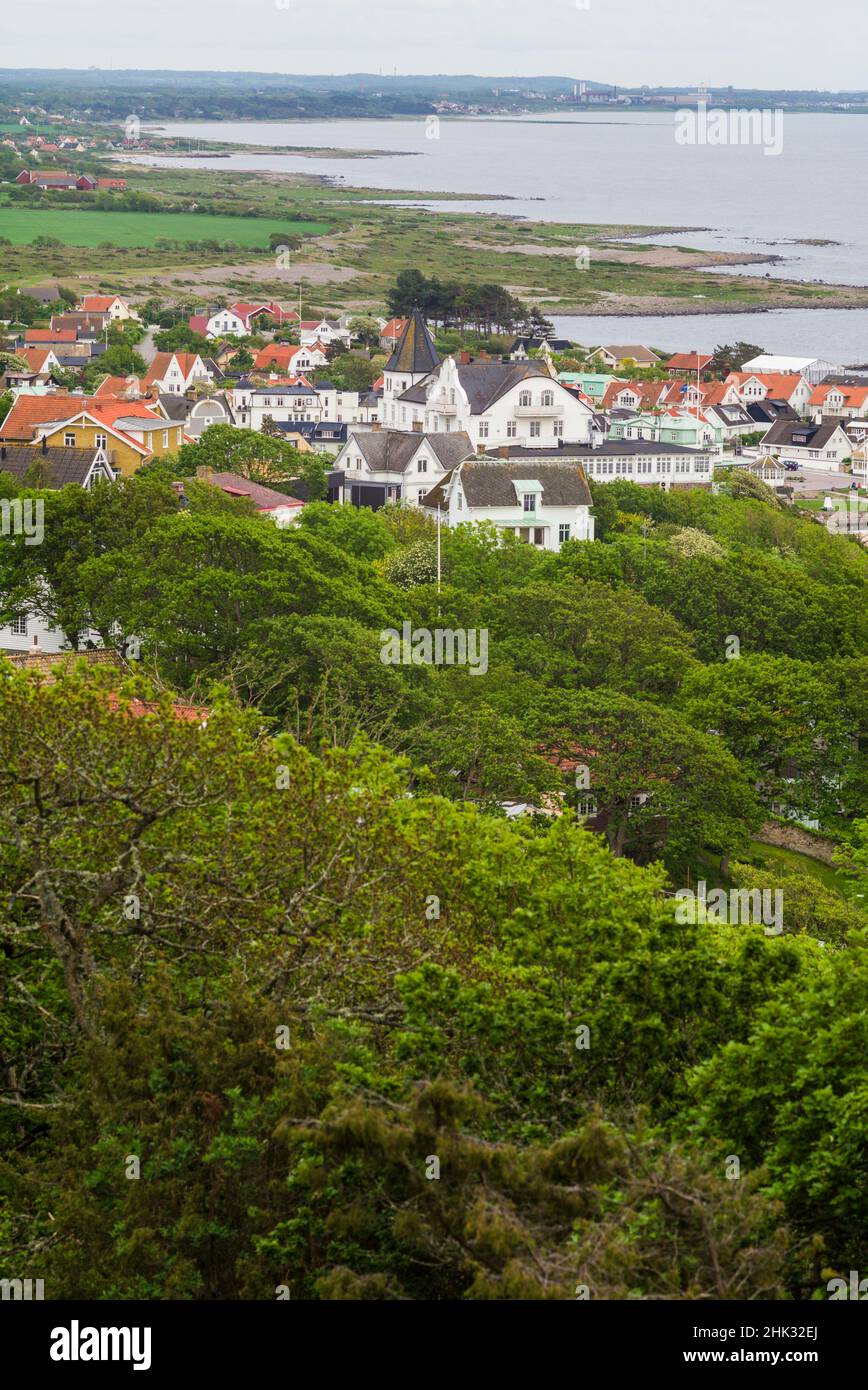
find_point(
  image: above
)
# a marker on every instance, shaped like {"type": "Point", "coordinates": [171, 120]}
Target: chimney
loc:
{"type": "Point", "coordinates": [464, 358]}
{"type": "Point", "coordinates": [376, 425]}
{"type": "Point", "coordinates": [44, 445]}
{"type": "Point", "coordinates": [416, 427]}
{"type": "Point", "coordinates": [503, 451]}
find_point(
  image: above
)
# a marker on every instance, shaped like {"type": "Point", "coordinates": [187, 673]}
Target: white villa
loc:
{"type": "Point", "coordinates": [492, 402]}
{"type": "Point", "coordinates": [377, 466]}
{"type": "Point", "coordinates": [542, 504]}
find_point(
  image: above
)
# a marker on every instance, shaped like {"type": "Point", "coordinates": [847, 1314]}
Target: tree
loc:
{"type": "Point", "coordinates": [350, 373]}
{"type": "Point", "coordinates": [242, 360]}
{"type": "Point", "coordinates": [254, 454]}
{"type": "Point", "coordinates": [365, 330]}
{"type": "Point", "coordinates": [182, 338]}
{"type": "Point", "coordinates": [698, 797]}
{"type": "Point", "coordinates": [731, 357]}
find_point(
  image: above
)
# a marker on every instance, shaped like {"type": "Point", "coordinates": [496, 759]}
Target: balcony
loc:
{"type": "Point", "coordinates": [538, 411]}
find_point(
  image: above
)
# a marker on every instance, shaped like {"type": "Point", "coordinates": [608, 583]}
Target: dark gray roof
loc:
{"type": "Point", "coordinates": [176, 407]}
{"type": "Point", "coordinates": [389, 451]}
{"type": "Point", "coordinates": [766, 412]}
{"type": "Point", "coordinates": [63, 465]}
{"type": "Point", "coordinates": [489, 483]}
{"type": "Point", "coordinates": [415, 352]}
{"type": "Point", "coordinates": [534, 344]}
{"type": "Point", "coordinates": [485, 382]}
{"type": "Point", "coordinates": [46, 294]}
{"type": "Point", "coordinates": [610, 447]}
{"type": "Point", "coordinates": [790, 432]}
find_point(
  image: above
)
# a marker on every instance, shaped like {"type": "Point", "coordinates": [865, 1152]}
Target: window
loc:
{"type": "Point", "coordinates": [422, 466]}
{"type": "Point", "coordinates": [524, 398]}
{"type": "Point", "coordinates": [483, 429]}
{"type": "Point", "coordinates": [528, 501]}
{"type": "Point", "coordinates": [180, 435]}
{"type": "Point", "coordinates": [511, 429]}
{"type": "Point", "coordinates": [101, 441]}
{"type": "Point", "coordinates": [19, 626]}
{"type": "Point", "coordinates": [563, 532]}
{"type": "Point", "coordinates": [682, 465]}
{"type": "Point", "coordinates": [165, 439]}
{"type": "Point", "coordinates": [586, 806]}
{"type": "Point", "coordinates": [548, 398]}
{"type": "Point", "coordinates": [559, 429]}
{"type": "Point", "coordinates": [664, 465]}
{"type": "Point", "coordinates": [69, 440]}
{"type": "Point", "coordinates": [535, 429]}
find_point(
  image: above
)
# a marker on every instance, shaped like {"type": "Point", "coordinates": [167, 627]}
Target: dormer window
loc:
{"type": "Point", "coordinates": [528, 501]}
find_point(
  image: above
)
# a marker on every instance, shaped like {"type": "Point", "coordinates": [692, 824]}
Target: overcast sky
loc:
{"type": "Point", "coordinates": [754, 43]}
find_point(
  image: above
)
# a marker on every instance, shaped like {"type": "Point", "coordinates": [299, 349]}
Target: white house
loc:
{"type": "Point", "coordinates": [811, 445]}
{"type": "Point", "coordinates": [542, 504]}
{"type": "Point", "coordinates": [645, 461]}
{"type": "Point", "coordinates": [849, 402]}
{"type": "Point", "coordinates": [324, 331]}
{"type": "Point", "coordinates": [240, 320]}
{"type": "Point", "coordinates": [117, 309]}
{"type": "Point", "coordinates": [792, 387]}
{"type": "Point", "coordinates": [290, 399]}
{"type": "Point", "coordinates": [377, 466]}
{"type": "Point", "coordinates": [176, 372]}
{"type": "Point", "coordinates": [492, 401]}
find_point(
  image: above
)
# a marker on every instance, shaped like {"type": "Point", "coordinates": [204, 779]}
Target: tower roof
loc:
{"type": "Point", "coordinates": [415, 352]}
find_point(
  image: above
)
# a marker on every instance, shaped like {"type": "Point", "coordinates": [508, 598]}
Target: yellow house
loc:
{"type": "Point", "coordinates": [128, 431]}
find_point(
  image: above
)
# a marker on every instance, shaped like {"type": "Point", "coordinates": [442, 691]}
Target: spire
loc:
{"type": "Point", "coordinates": [415, 353]}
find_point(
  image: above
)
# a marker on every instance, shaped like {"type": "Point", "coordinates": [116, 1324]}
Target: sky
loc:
{"type": "Point", "coordinates": [746, 43]}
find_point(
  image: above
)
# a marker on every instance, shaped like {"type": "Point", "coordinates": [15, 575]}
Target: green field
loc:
{"type": "Point", "coordinates": [77, 227]}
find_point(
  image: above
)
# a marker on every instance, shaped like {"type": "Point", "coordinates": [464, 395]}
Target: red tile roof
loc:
{"type": "Point", "coordinates": [97, 303]}
{"type": "Point", "coordinates": [29, 411]}
{"type": "Point", "coordinates": [688, 361]}
{"type": "Point", "coordinates": [50, 335]}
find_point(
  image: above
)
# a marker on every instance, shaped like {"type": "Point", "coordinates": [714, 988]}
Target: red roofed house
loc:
{"type": "Point", "coordinates": [282, 509]}
{"type": "Point", "coordinates": [771, 386]}
{"type": "Point", "coordinates": [390, 333]}
{"type": "Point", "coordinates": [38, 337]}
{"type": "Point", "coordinates": [277, 356]}
{"type": "Point", "coordinates": [688, 362]}
{"type": "Point", "coordinates": [111, 304]}
{"type": "Point", "coordinates": [239, 320]}
{"type": "Point", "coordinates": [39, 365]}
{"type": "Point", "coordinates": [176, 372]}
{"type": "Point", "coordinates": [847, 402]}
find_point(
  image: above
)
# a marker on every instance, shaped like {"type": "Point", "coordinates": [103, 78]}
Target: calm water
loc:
{"type": "Point", "coordinates": [623, 167]}
{"type": "Point", "coordinates": [838, 335]}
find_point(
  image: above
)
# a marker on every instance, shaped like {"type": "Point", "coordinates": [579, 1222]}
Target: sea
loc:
{"type": "Point", "coordinates": [800, 197]}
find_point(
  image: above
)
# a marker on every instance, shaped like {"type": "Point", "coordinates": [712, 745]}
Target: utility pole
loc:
{"type": "Point", "coordinates": [439, 570]}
